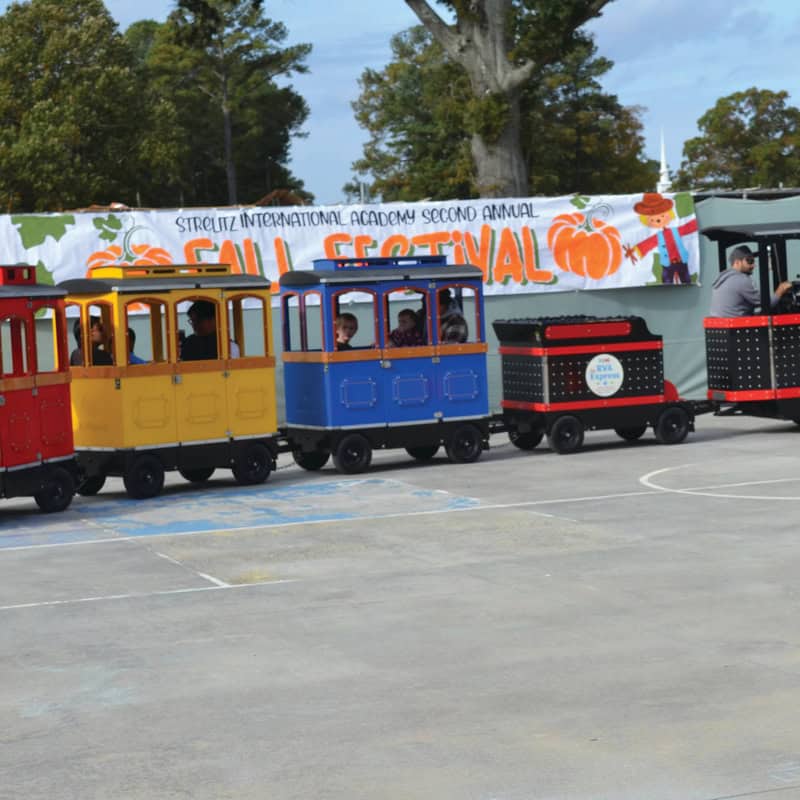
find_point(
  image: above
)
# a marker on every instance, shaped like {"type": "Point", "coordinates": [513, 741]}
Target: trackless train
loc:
{"type": "Point", "coordinates": [377, 353]}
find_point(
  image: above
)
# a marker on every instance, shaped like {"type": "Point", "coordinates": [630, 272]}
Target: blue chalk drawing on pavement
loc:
{"type": "Point", "coordinates": [221, 508]}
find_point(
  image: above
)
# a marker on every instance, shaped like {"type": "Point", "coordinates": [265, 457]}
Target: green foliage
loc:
{"type": "Point", "coordinates": [578, 138]}
{"type": "Point", "coordinates": [748, 139]}
{"type": "Point", "coordinates": [414, 110]}
{"type": "Point", "coordinates": [214, 64]}
{"type": "Point", "coordinates": [33, 230]}
{"type": "Point", "coordinates": [420, 113]}
{"type": "Point", "coordinates": [69, 106]}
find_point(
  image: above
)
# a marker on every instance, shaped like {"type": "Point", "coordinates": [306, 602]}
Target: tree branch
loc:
{"type": "Point", "coordinates": [439, 29]}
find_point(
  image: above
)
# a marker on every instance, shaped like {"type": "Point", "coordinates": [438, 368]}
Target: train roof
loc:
{"type": "Point", "coordinates": [162, 278]}
{"type": "Point", "coordinates": [732, 234]}
{"type": "Point", "coordinates": [359, 271]}
{"type": "Point", "coordinates": [19, 280]}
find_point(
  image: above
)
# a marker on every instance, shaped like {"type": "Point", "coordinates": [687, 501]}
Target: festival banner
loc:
{"type": "Point", "coordinates": [521, 244]}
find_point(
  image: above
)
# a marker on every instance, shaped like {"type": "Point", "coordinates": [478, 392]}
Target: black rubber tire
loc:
{"type": "Point", "coordinates": [566, 435]}
{"type": "Point", "coordinates": [57, 492]}
{"type": "Point", "coordinates": [525, 441]}
{"type": "Point", "coordinates": [353, 454]}
{"type": "Point", "coordinates": [144, 478]}
{"type": "Point", "coordinates": [423, 452]}
{"type": "Point", "coordinates": [672, 425]}
{"type": "Point", "coordinates": [90, 486]}
{"type": "Point", "coordinates": [253, 464]}
{"type": "Point", "coordinates": [631, 434]}
{"type": "Point", "coordinates": [465, 445]}
{"type": "Point", "coordinates": [199, 475]}
{"type": "Point", "coordinates": [311, 460]}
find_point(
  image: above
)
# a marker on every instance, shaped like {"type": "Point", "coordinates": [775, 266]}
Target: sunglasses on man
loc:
{"type": "Point", "coordinates": [750, 260]}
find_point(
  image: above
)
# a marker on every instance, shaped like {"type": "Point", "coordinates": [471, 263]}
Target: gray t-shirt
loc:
{"type": "Point", "coordinates": [734, 295]}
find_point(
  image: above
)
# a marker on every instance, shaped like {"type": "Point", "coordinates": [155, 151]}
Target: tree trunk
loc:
{"type": "Point", "coordinates": [230, 167]}
{"type": "Point", "coordinates": [500, 163]}
{"type": "Point", "coordinates": [479, 42]}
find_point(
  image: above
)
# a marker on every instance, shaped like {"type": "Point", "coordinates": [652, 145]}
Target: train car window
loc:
{"type": "Point", "coordinates": [406, 317]}
{"type": "Point", "coordinates": [312, 304]}
{"type": "Point", "coordinates": [146, 332]}
{"type": "Point", "coordinates": [14, 346]}
{"type": "Point", "coordinates": [293, 339]}
{"type": "Point", "coordinates": [49, 325]}
{"type": "Point", "coordinates": [92, 329]}
{"type": "Point", "coordinates": [355, 320]}
{"type": "Point", "coordinates": [247, 327]}
{"type": "Point", "coordinates": [198, 334]}
{"type": "Point", "coordinates": [457, 310]}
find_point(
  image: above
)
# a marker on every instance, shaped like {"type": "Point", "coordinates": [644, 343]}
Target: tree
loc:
{"type": "Point", "coordinates": [414, 111]}
{"type": "Point", "coordinates": [573, 136]}
{"type": "Point", "coordinates": [69, 107]}
{"type": "Point", "coordinates": [217, 61]}
{"type": "Point", "coordinates": [500, 44]}
{"type": "Point", "coordinates": [748, 139]}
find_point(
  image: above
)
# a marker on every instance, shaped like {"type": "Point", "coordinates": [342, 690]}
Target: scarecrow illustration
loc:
{"type": "Point", "coordinates": [656, 211]}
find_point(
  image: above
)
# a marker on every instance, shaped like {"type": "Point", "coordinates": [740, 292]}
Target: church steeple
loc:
{"type": "Point", "coordinates": [664, 183]}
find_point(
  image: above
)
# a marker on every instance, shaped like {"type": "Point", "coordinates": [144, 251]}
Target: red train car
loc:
{"type": "Point", "coordinates": [37, 457]}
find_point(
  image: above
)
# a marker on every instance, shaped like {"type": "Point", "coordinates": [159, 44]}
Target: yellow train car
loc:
{"type": "Point", "coordinates": [166, 399]}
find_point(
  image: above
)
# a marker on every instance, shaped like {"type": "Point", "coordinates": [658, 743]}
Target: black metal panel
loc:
{"type": "Point", "coordinates": [786, 348]}
{"type": "Point", "coordinates": [643, 375]}
{"type": "Point", "coordinates": [523, 378]}
{"type": "Point", "coordinates": [737, 359]}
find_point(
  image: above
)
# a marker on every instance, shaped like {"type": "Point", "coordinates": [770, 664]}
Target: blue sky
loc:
{"type": "Point", "coordinates": [675, 58]}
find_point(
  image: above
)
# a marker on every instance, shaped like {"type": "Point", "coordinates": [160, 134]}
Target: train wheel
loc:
{"type": "Point", "coordinates": [423, 453]}
{"type": "Point", "coordinates": [312, 461]}
{"type": "Point", "coordinates": [199, 475]}
{"type": "Point", "coordinates": [672, 426]}
{"type": "Point", "coordinates": [525, 441]}
{"type": "Point", "coordinates": [465, 445]}
{"type": "Point", "coordinates": [89, 487]}
{"type": "Point", "coordinates": [353, 454]}
{"type": "Point", "coordinates": [57, 492]}
{"type": "Point", "coordinates": [566, 435]}
{"type": "Point", "coordinates": [144, 478]}
{"type": "Point", "coordinates": [253, 464]}
{"type": "Point", "coordinates": [631, 434]}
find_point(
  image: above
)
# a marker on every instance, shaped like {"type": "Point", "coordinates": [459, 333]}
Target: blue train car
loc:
{"type": "Point", "coordinates": [384, 353]}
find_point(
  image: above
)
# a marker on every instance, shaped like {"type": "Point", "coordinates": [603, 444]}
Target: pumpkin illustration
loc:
{"type": "Point", "coordinates": [142, 255]}
{"type": "Point", "coordinates": [585, 245]}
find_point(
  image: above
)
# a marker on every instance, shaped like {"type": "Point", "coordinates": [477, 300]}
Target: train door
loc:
{"type": "Point", "coordinates": [409, 371]}
{"type": "Point", "coordinates": [19, 414]}
{"type": "Point", "coordinates": [52, 379]}
{"type": "Point", "coordinates": [200, 374]}
{"type": "Point", "coordinates": [461, 384]}
{"type": "Point", "coordinates": [250, 384]}
{"type": "Point", "coordinates": [355, 372]}
{"type": "Point", "coordinates": [149, 415]}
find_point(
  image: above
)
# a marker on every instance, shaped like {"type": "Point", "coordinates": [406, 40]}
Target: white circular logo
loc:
{"type": "Point", "coordinates": [604, 375]}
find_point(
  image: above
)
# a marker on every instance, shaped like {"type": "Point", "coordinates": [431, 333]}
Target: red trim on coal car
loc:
{"type": "Point", "coordinates": [581, 349]}
{"type": "Point", "coordinates": [786, 319]}
{"type": "Point", "coordinates": [736, 322]}
{"type": "Point", "coordinates": [578, 405]}
{"type": "Point", "coordinates": [742, 396]}
{"type": "Point", "coordinates": [587, 331]}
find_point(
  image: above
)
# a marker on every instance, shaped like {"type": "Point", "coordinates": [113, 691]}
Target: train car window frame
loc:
{"type": "Point", "coordinates": [160, 346]}
{"type": "Point", "coordinates": [388, 322]}
{"type": "Point", "coordinates": [473, 333]}
{"type": "Point", "coordinates": [336, 310]}
{"type": "Point", "coordinates": [22, 360]}
{"type": "Point", "coordinates": [235, 324]}
{"type": "Point", "coordinates": [191, 300]}
{"type": "Point", "coordinates": [287, 322]}
{"type": "Point", "coordinates": [305, 307]}
{"type": "Point", "coordinates": [57, 335]}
